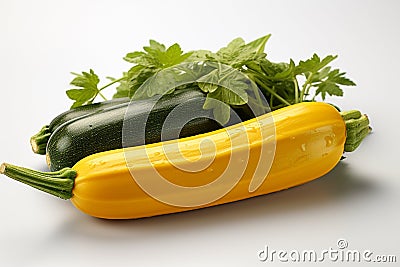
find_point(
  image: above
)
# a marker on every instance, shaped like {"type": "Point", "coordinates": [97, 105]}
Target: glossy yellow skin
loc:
{"type": "Point", "coordinates": [309, 137]}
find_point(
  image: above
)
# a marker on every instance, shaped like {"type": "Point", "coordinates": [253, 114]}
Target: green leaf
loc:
{"type": "Point", "coordinates": [231, 76]}
{"type": "Point", "coordinates": [338, 77]}
{"type": "Point", "coordinates": [226, 76]}
{"type": "Point", "coordinates": [81, 96]}
{"type": "Point", "coordinates": [221, 111]}
{"type": "Point", "coordinates": [123, 89]}
{"type": "Point", "coordinates": [154, 47]}
{"type": "Point", "coordinates": [174, 51]}
{"type": "Point", "coordinates": [319, 76]}
{"type": "Point", "coordinates": [74, 94]}
{"type": "Point", "coordinates": [199, 55]}
{"type": "Point", "coordinates": [131, 57]}
{"type": "Point", "coordinates": [231, 50]}
{"type": "Point", "coordinates": [137, 79]}
{"type": "Point", "coordinates": [149, 58]}
{"type": "Point", "coordinates": [258, 45]}
{"type": "Point", "coordinates": [237, 53]}
{"type": "Point", "coordinates": [271, 69]}
{"type": "Point", "coordinates": [313, 65]}
{"type": "Point", "coordinates": [329, 83]}
{"type": "Point", "coordinates": [158, 84]}
{"type": "Point", "coordinates": [145, 60]}
{"type": "Point", "coordinates": [207, 87]}
{"type": "Point", "coordinates": [156, 57]}
{"type": "Point", "coordinates": [162, 81]}
{"type": "Point", "coordinates": [324, 62]}
{"type": "Point", "coordinates": [287, 72]}
{"type": "Point", "coordinates": [229, 96]}
{"type": "Point", "coordinates": [172, 56]}
{"type": "Point", "coordinates": [330, 89]}
{"type": "Point", "coordinates": [87, 81]}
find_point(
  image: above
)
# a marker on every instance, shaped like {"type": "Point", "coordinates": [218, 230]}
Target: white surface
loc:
{"type": "Point", "coordinates": [42, 41]}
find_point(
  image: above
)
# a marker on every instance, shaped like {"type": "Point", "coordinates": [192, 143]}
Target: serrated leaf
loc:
{"type": "Point", "coordinates": [172, 56]}
{"type": "Point", "coordinates": [329, 82]}
{"type": "Point", "coordinates": [338, 77]}
{"type": "Point", "coordinates": [81, 96]}
{"type": "Point", "coordinates": [155, 46]}
{"type": "Point", "coordinates": [307, 66]}
{"type": "Point", "coordinates": [344, 81]}
{"type": "Point", "coordinates": [157, 57]}
{"type": "Point", "coordinates": [174, 51]}
{"type": "Point", "coordinates": [328, 88]}
{"type": "Point", "coordinates": [237, 53]}
{"type": "Point", "coordinates": [87, 81]}
{"type": "Point", "coordinates": [313, 65]}
{"type": "Point", "coordinates": [328, 59]}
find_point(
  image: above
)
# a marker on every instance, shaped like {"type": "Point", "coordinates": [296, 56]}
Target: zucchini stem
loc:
{"type": "Point", "coordinates": [59, 183]}
{"type": "Point", "coordinates": [357, 128]}
{"type": "Point", "coordinates": [39, 140]}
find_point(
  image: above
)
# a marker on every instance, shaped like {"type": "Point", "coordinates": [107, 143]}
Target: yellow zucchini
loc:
{"type": "Point", "coordinates": [275, 151]}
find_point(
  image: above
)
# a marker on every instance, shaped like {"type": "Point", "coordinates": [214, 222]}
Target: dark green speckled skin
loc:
{"type": "Point", "coordinates": [84, 110]}
{"type": "Point", "coordinates": [102, 131]}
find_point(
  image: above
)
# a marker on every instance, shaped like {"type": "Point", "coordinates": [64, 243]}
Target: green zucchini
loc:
{"type": "Point", "coordinates": [39, 140]}
{"type": "Point", "coordinates": [142, 121]}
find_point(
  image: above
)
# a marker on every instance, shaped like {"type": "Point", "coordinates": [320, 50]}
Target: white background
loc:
{"type": "Point", "coordinates": [42, 41]}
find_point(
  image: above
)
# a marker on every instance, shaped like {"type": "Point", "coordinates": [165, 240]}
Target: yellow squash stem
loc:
{"type": "Point", "coordinates": [357, 128]}
{"type": "Point", "coordinates": [309, 140]}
